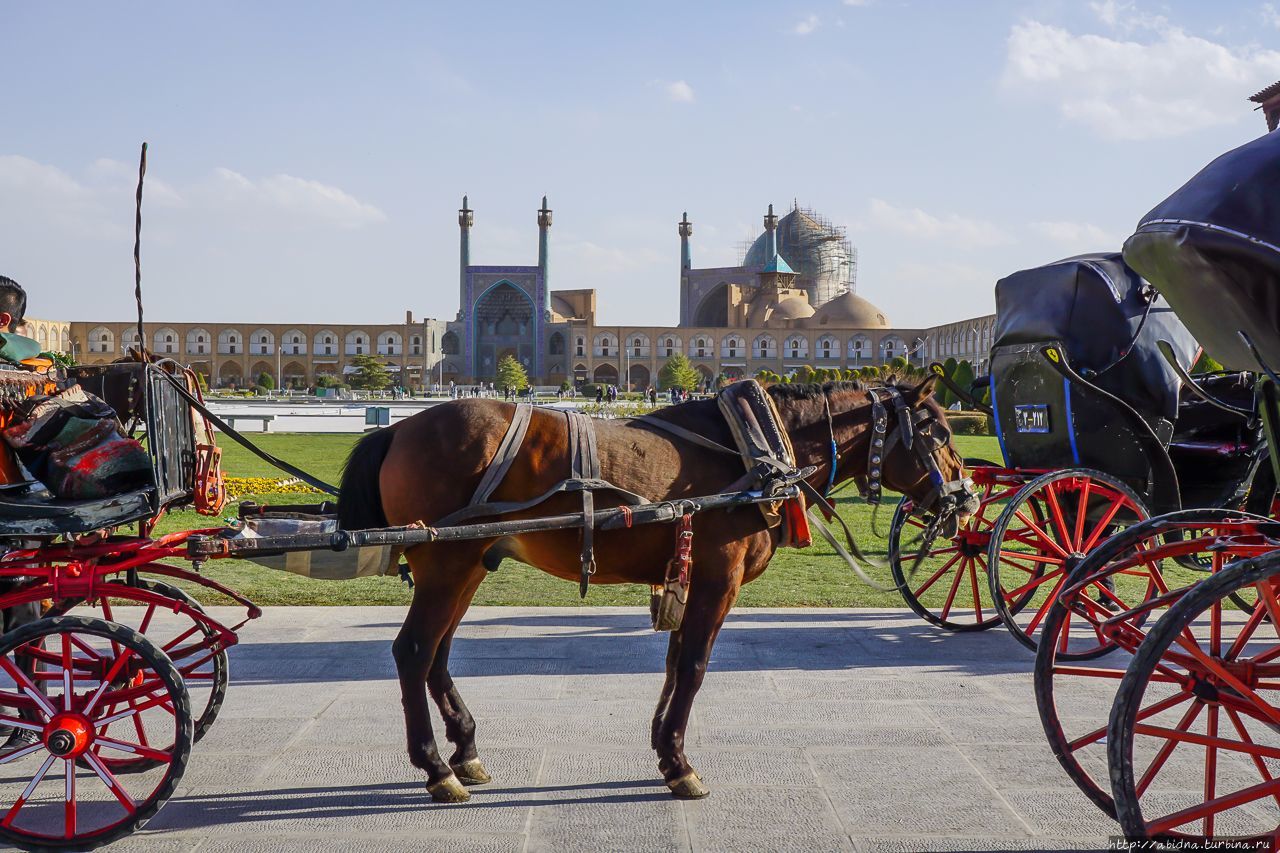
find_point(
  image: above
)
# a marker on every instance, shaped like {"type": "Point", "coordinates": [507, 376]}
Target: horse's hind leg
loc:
{"type": "Point", "coordinates": [668, 685]}
{"type": "Point", "coordinates": [709, 601]}
{"type": "Point", "coordinates": [459, 726]}
{"type": "Point", "coordinates": [437, 592]}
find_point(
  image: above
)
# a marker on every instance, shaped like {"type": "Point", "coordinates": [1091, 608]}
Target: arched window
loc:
{"type": "Point", "coordinates": [733, 347]}
{"type": "Point", "coordinates": [294, 342]}
{"type": "Point", "coordinates": [828, 347]}
{"type": "Point", "coordinates": [262, 342]}
{"type": "Point", "coordinates": [229, 342]}
{"type": "Point", "coordinates": [556, 344]}
{"type": "Point", "coordinates": [356, 343]}
{"type": "Point", "coordinates": [325, 343]}
{"type": "Point", "coordinates": [449, 344]}
{"type": "Point", "coordinates": [606, 345]}
{"type": "Point", "coordinates": [638, 346]}
{"type": "Point", "coordinates": [389, 343]}
{"type": "Point", "coordinates": [415, 345]}
{"type": "Point", "coordinates": [765, 347]}
{"type": "Point", "coordinates": [101, 339]}
{"type": "Point", "coordinates": [580, 346]}
{"type": "Point", "coordinates": [859, 347]}
{"type": "Point", "coordinates": [797, 346]}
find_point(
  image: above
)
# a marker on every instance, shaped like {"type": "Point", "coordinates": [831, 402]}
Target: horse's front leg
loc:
{"type": "Point", "coordinates": [711, 595]}
{"type": "Point", "coordinates": [459, 725]}
{"type": "Point", "coordinates": [415, 649]}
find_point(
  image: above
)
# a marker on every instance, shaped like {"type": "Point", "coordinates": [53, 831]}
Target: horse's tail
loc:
{"type": "Point", "coordinates": [359, 497]}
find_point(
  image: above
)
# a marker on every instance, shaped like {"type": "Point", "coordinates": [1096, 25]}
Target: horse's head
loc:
{"type": "Point", "coordinates": [920, 459]}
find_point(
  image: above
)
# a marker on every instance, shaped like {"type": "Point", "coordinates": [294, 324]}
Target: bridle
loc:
{"type": "Point", "coordinates": [915, 429]}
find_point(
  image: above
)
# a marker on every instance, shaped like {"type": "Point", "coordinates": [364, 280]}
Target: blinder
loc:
{"type": "Point", "coordinates": [916, 430]}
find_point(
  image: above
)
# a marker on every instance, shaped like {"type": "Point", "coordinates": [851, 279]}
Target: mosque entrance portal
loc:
{"type": "Point", "coordinates": [503, 326]}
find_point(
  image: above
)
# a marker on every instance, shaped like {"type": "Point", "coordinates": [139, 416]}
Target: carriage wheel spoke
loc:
{"type": "Point", "coordinates": [1082, 509]}
{"type": "Point", "coordinates": [1220, 804]}
{"type": "Point", "coordinates": [1031, 585]}
{"type": "Point", "coordinates": [12, 814]}
{"type": "Point", "coordinates": [1103, 523]}
{"type": "Point", "coordinates": [1043, 536]}
{"type": "Point", "coordinates": [1149, 711]}
{"type": "Point", "coordinates": [69, 813]}
{"type": "Point", "coordinates": [134, 748]}
{"type": "Point", "coordinates": [1236, 684]}
{"type": "Point", "coordinates": [1044, 608]}
{"type": "Point", "coordinates": [951, 594]}
{"type": "Point", "coordinates": [973, 582]}
{"type": "Point", "coordinates": [934, 578]}
{"type": "Point", "coordinates": [1246, 633]}
{"type": "Point", "coordinates": [1258, 763]}
{"type": "Point", "coordinates": [20, 678]}
{"type": "Point", "coordinates": [1056, 516]}
{"type": "Point", "coordinates": [1170, 743]}
{"type": "Point", "coordinates": [113, 784]}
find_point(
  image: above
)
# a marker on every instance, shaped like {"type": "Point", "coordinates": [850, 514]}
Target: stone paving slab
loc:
{"type": "Point", "coordinates": [850, 730]}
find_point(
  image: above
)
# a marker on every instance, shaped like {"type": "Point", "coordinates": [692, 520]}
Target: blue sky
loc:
{"type": "Point", "coordinates": [307, 160]}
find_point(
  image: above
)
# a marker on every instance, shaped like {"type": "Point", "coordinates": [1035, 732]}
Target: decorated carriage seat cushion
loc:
{"type": "Point", "coordinates": [73, 444]}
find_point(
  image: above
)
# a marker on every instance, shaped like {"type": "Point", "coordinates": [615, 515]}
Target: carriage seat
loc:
{"type": "Point", "coordinates": [29, 510]}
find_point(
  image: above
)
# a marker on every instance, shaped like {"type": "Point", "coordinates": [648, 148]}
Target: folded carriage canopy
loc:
{"type": "Point", "coordinates": [1213, 250]}
{"type": "Point", "coordinates": [1093, 305]}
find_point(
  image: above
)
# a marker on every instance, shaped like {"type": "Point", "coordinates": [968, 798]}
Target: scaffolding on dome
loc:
{"type": "Point", "coordinates": [818, 249]}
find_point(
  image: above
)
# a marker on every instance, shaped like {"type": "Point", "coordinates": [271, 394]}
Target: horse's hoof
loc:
{"type": "Point", "coordinates": [449, 790]}
{"type": "Point", "coordinates": [688, 787]}
{"type": "Point", "coordinates": [471, 772]}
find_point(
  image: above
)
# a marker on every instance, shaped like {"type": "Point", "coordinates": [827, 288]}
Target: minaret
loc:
{"type": "Point", "coordinates": [686, 231]}
{"type": "Point", "coordinates": [777, 273]}
{"type": "Point", "coordinates": [544, 237]}
{"type": "Point", "coordinates": [466, 218]}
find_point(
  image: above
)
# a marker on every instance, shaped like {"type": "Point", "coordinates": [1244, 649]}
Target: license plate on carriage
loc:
{"type": "Point", "coordinates": [1031, 418]}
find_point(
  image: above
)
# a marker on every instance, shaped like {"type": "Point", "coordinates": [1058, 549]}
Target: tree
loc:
{"type": "Point", "coordinates": [203, 382]}
{"type": "Point", "coordinates": [371, 374]}
{"type": "Point", "coordinates": [963, 376]}
{"type": "Point", "coordinates": [679, 373]}
{"type": "Point", "coordinates": [898, 365]}
{"type": "Point", "coordinates": [266, 381]}
{"type": "Point", "coordinates": [806, 375]}
{"type": "Point", "coordinates": [511, 374]}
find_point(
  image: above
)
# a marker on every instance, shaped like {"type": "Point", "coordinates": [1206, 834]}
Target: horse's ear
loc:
{"type": "Point", "coordinates": [925, 389]}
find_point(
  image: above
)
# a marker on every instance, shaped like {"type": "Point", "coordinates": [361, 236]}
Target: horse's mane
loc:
{"type": "Point", "coordinates": [815, 390]}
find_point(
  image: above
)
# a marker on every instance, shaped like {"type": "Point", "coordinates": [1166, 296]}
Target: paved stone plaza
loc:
{"type": "Point", "coordinates": [817, 730]}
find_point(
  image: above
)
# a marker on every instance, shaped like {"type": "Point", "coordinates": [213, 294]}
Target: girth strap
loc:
{"type": "Point", "coordinates": [584, 464]}
{"type": "Point", "coordinates": [508, 449]}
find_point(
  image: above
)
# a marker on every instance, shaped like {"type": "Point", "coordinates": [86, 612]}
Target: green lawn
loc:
{"type": "Point", "coordinates": [811, 577]}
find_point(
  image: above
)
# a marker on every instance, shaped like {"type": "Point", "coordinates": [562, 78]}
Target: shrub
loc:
{"type": "Point", "coordinates": [970, 423]}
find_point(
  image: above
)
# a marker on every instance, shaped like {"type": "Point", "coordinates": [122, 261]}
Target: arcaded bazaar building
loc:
{"type": "Point", "coordinates": [791, 302]}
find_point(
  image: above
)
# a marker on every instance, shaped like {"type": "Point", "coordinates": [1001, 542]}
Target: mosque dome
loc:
{"type": "Point", "coordinates": [849, 311]}
{"type": "Point", "coordinates": [773, 313]}
{"type": "Point", "coordinates": [820, 253]}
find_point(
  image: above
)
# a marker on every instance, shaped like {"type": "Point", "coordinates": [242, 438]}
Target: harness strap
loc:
{"type": "Point", "coordinates": [584, 466]}
{"type": "Point", "coordinates": [508, 449]}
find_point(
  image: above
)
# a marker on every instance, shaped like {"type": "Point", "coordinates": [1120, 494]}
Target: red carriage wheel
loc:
{"type": "Point", "coordinates": [192, 645]}
{"type": "Point", "coordinates": [1106, 601]}
{"type": "Point", "coordinates": [58, 678]}
{"type": "Point", "coordinates": [1043, 534]}
{"type": "Point", "coordinates": [1206, 763]}
{"type": "Point", "coordinates": [947, 585]}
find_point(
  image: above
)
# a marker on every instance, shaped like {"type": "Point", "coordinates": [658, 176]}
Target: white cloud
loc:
{"type": "Point", "coordinates": [952, 228]}
{"type": "Point", "coordinates": [680, 92]}
{"type": "Point", "coordinates": [857, 2]}
{"type": "Point", "coordinates": [1082, 236]}
{"type": "Point", "coordinates": [806, 25]}
{"type": "Point", "coordinates": [305, 201]}
{"type": "Point", "coordinates": [1172, 83]}
{"type": "Point", "coordinates": [1270, 15]}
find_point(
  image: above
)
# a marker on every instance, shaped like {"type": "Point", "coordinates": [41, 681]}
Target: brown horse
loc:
{"type": "Point", "coordinates": [427, 467]}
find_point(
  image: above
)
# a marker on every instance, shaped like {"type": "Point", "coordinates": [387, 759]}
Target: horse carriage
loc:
{"type": "Point", "coordinates": [1086, 372]}
{"type": "Point", "coordinates": [126, 671]}
{"type": "Point", "coordinates": [1180, 741]}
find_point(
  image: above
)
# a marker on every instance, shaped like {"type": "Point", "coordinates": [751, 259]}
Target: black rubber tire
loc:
{"type": "Point", "coordinates": [999, 532]}
{"type": "Point", "coordinates": [1128, 703]}
{"type": "Point", "coordinates": [159, 663]}
{"type": "Point", "coordinates": [1046, 657]}
{"type": "Point", "coordinates": [221, 666]}
{"type": "Point", "coordinates": [899, 572]}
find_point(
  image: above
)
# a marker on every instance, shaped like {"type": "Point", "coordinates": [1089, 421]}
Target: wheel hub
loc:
{"type": "Point", "coordinates": [67, 735]}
